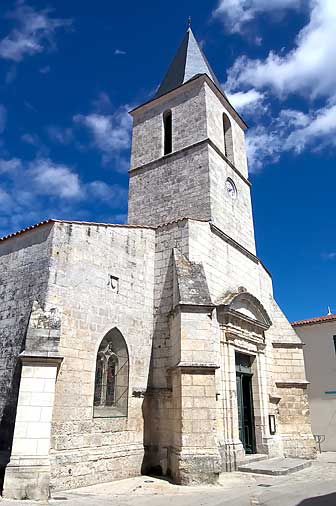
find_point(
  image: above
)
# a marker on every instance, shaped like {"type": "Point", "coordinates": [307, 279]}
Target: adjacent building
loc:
{"type": "Point", "coordinates": [319, 338]}
{"type": "Point", "coordinates": [156, 345]}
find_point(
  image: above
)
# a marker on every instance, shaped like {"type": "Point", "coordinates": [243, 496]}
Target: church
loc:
{"type": "Point", "coordinates": [154, 346]}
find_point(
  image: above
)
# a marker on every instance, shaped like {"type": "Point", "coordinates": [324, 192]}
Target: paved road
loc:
{"type": "Point", "coordinates": [315, 486]}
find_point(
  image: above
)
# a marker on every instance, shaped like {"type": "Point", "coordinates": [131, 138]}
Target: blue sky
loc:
{"type": "Point", "coordinates": [70, 71]}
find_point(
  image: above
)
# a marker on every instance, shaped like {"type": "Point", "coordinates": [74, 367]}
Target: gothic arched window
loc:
{"type": "Point", "coordinates": [228, 140]}
{"type": "Point", "coordinates": [167, 133]}
{"type": "Point", "coordinates": [111, 378]}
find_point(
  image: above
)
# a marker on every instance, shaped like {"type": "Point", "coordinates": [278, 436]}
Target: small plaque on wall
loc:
{"type": "Point", "coordinates": [272, 424]}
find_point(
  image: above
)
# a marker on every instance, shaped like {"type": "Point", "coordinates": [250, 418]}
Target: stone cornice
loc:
{"type": "Point", "coordinates": [45, 358]}
{"type": "Point", "coordinates": [194, 365]}
{"type": "Point", "coordinates": [292, 383]}
{"type": "Point", "coordinates": [189, 84]}
{"type": "Point", "coordinates": [287, 345]}
{"type": "Point", "coordinates": [175, 154]}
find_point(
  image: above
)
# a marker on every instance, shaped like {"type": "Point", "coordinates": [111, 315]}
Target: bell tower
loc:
{"type": "Point", "coordinates": [188, 152]}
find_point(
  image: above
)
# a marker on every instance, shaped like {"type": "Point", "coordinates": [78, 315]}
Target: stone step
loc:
{"type": "Point", "coordinates": [254, 457]}
{"type": "Point", "coordinates": [275, 466]}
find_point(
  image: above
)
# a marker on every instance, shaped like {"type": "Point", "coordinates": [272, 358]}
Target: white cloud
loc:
{"type": "Point", "coordinates": [291, 131]}
{"type": "Point", "coordinates": [3, 118]}
{"type": "Point", "coordinates": [54, 179]}
{"type": "Point", "coordinates": [33, 191]}
{"type": "Point", "coordinates": [119, 52]}
{"type": "Point", "coordinates": [9, 166]}
{"type": "Point", "coordinates": [115, 194]}
{"type": "Point", "coordinates": [309, 69]}
{"type": "Point", "coordinates": [318, 131]}
{"type": "Point", "coordinates": [236, 13]}
{"type": "Point", "coordinates": [34, 30]}
{"type": "Point", "coordinates": [111, 133]}
{"type": "Point", "coordinates": [248, 102]}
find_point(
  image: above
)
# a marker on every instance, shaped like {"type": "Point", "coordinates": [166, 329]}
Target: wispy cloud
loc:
{"type": "Point", "coordinates": [33, 31]}
{"type": "Point", "coordinates": [292, 131]}
{"type": "Point", "coordinates": [60, 135]}
{"type": "Point", "coordinates": [34, 190]}
{"type": "Point", "coordinates": [110, 133]}
{"type": "Point", "coordinates": [329, 256]}
{"type": "Point", "coordinates": [54, 179]}
{"type": "Point", "coordinates": [248, 102]}
{"type": "Point", "coordinates": [119, 52]}
{"type": "Point", "coordinates": [235, 14]}
{"type": "Point", "coordinates": [10, 166]}
{"type": "Point", "coordinates": [308, 71]}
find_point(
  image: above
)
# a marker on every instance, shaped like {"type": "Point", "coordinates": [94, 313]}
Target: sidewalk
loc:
{"type": "Point", "coordinates": [315, 486]}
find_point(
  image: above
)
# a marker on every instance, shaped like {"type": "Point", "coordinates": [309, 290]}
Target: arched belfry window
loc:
{"type": "Point", "coordinates": [167, 133]}
{"type": "Point", "coordinates": [111, 378]}
{"type": "Point", "coordinates": [228, 140]}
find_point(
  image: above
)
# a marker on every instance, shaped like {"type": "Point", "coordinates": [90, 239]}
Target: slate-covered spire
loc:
{"type": "Point", "coordinates": [189, 62]}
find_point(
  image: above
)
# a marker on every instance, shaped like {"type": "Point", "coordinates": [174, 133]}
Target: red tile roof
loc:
{"type": "Point", "coordinates": [88, 223]}
{"type": "Point", "coordinates": [317, 319]}
{"type": "Point", "coordinates": [93, 223]}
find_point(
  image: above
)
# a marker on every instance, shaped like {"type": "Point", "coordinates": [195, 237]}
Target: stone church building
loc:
{"type": "Point", "coordinates": [155, 346]}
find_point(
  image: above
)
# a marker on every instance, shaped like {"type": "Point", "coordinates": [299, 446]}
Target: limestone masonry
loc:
{"type": "Point", "coordinates": [155, 346]}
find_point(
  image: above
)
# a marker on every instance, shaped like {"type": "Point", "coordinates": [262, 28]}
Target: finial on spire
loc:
{"type": "Point", "coordinates": [189, 22]}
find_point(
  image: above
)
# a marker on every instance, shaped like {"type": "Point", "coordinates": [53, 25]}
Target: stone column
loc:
{"type": "Point", "coordinates": [194, 456]}
{"type": "Point", "coordinates": [28, 472]}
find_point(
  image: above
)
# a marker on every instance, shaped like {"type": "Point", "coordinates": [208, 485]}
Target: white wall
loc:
{"type": "Point", "coordinates": [320, 363]}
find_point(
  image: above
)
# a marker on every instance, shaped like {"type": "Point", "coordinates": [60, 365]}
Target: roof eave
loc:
{"type": "Point", "coordinates": [210, 82]}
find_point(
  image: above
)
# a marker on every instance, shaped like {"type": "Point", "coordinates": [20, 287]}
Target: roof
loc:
{"type": "Point", "coordinates": [191, 283]}
{"type": "Point", "coordinates": [88, 223]}
{"type": "Point", "coordinates": [317, 319]}
{"type": "Point", "coordinates": [94, 223]}
{"type": "Point", "coordinates": [188, 63]}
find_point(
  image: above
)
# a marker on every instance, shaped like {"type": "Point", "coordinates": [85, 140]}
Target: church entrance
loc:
{"type": "Point", "coordinates": [245, 402]}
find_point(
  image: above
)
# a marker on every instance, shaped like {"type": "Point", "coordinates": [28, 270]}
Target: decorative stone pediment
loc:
{"type": "Point", "coordinates": [243, 316]}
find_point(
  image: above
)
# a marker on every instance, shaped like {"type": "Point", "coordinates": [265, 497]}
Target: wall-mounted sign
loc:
{"type": "Point", "coordinates": [272, 424]}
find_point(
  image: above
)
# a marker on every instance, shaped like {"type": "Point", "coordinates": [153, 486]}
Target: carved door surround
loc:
{"type": "Point", "coordinates": [243, 321]}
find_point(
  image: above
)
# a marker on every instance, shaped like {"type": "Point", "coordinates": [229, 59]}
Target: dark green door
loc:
{"type": "Point", "coordinates": [245, 408]}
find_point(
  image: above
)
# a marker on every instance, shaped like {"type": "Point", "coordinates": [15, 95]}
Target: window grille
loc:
{"type": "Point", "coordinates": [111, 378]}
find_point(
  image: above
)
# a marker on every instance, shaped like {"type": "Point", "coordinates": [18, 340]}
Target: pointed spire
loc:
{"type": "Point", "coordinates": [329, 311]}
{"type": "Point", "coordinates": [188, 62]}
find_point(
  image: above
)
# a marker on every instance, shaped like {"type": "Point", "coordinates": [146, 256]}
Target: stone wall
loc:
{"type": "Point", "coordinates": [24, 276]}
{"type": "Point", "coordinates": [188, 113]}
{"type": "Point", "coordinates": [231, 215]}
{"type": "Point", "coordinates": [162, 409]}
{"type": "Point", "coordinates": [155, 190]}
{"type": "Point", "coordinates": [215, 109]}
{"type": "Point", "coordinates": [85, 449]}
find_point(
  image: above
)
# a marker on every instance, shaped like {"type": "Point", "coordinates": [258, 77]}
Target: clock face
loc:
{"type": "Point", "coordinates": [231, 188]}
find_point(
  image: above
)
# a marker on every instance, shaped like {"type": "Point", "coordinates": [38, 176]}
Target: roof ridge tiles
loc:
{"type": "Point", "coordinates": [316, 319]}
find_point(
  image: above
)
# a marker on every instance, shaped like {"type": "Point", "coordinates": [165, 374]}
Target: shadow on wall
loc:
{"type": "Point", "coordinates": [322, 500]}
{"type": "Point", "coordinates": [156, 460]}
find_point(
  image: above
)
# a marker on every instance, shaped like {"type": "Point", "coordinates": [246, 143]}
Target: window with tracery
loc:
{"type": "Point", "coordinates": [111, 378]}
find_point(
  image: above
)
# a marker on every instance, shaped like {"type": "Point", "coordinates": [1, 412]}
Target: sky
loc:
{"type": "Point", "coordinates": [70, 71]}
